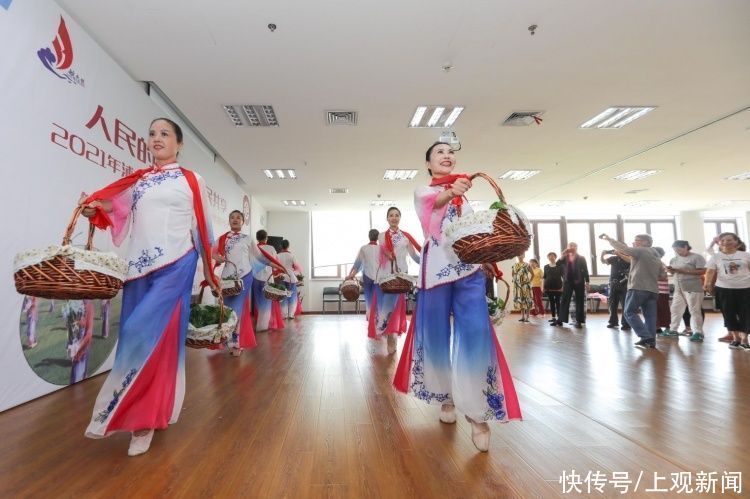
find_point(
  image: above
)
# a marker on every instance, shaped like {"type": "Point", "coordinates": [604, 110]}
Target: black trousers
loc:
{"type": "Point", "coordinates": [554, 301]}
{"type": "Point", "coordinates": [617, 292]}
{"type": "Point", "coordinates": [569, 288]}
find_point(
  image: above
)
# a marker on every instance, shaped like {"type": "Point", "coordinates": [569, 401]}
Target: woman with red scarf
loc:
{"type": "Point", "coordinates": [162, 212]}
{"type": "Point", "coordinates": [389, 309]}
{"type": "Point", "coordinates": [243, 256]}
{"type": "Point", "coordinates": [460, 367]}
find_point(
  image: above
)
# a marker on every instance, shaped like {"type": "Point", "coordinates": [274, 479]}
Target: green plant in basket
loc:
{"type": "Point", "coordinates": [494, 306]}
{"type": "Point", "coordinates": [205, 315]}
{"type": "Point", "coordinates": [277, 286]}
{"type": "Point", "coordinates": [498, 205]}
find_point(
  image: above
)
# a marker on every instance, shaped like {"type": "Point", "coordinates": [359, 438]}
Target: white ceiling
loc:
{"type": "Point", "coordinates": [383, 58]}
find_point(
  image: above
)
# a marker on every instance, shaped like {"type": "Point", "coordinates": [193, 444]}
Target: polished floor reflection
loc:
{"type": "Point", "coordinates": [311, 413]}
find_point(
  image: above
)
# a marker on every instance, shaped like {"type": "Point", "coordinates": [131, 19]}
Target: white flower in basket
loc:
{"type": "Point", "coordinates": [480, 222]}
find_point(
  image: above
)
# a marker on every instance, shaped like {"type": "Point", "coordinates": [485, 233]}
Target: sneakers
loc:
{"type": "Point", "coordinates": [392, 342]}
{"type": "Point", "coordinates": [727, 338]}
{"type": "Point", "coordinates": [139, 444]}
{"type": "Point", "coordinates": [735, 345]}
{"type": "Point", "coordinates": [745, 347]}
{"type": "Point", "coordinates": [625, 328]}
{"type": "Point", "coordinates": [553, 320]}
{"type": "Point", "coordinates": [480, 435]}
{"type": "Point", "coordinates": [646, 343]}
{"type": "Point", "coordinates": [668, 333]}
{"type": "Point", "coordinates": [448, 413]}
{"type": "Point", "coordinates": [696, 336]}
{"type": "Point", "coordinates": [612, 326]}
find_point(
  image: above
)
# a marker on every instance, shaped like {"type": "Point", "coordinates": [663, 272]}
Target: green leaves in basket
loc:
{"type": "Point", "coordinates": [205, 315]}
{"type": "Point", "coordinates": [495, 305]}
{"type": "Point", "coordinates": [498, 205]}
{"type": "Point", "coordinates": [277, 286]}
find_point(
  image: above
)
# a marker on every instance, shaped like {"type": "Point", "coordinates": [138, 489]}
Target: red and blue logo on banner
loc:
{"type": "Point", "coordinates": [59, 58]}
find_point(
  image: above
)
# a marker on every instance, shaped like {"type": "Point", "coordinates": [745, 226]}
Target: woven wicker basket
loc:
{"type": "Point", "coordinates": [351, 289]}
{"type": "Point", "coordinates": [501, 312]}
{"type": "Point", "coordinates": [274, 294]}
{"type": "Point", "coordinates": [396, 282]}
{"type": "Point", "coordinates": [57, 278]}
{"type": "Point", "coordinates": [508, 236]}
{"type": "Point", "coordinates": [213, 335]}
{"type": "Point", "coordinates": [233, 290]}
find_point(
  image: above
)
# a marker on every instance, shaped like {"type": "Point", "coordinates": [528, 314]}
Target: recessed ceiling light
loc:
{"type": "Point", "coordinates": [294, 202]}
{"type": "Point", "coordinates": [382, 202]}
{"type": "Point", "coordinates": [739, 176]}
{"type": "Point", "coordinates": [286, 174]}
{"type": "Point", "coordinates": [399, 174]}
{"type": "Point", "coordinates": [439, 116]}
{"type": "Point", "coordinates": [639, 204]}
{"type": "Point", "coordinates": [338, 190]}
{"type": "Point", "coordinates": [518, 174]}
{"type": "Point", "coordinates": [617, 117]}
{"type": "Point", "coordinates": [636, 174]}
{"type": "Point", "coordinates": [555, 203]}
{"type": "Point", "coordinates": [254, 115]}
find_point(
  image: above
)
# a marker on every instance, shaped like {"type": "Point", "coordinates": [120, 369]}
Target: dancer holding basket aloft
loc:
{"type": "Point", "coordinates": [388, 316]}
{"type": "Point", "coordinates": [460, 367]}
{"type": "Point", "coordinates": [163, 212]}
{"type": "Point", "coordinates": [240, 257]}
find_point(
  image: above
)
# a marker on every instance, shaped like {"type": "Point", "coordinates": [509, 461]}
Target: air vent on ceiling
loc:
{"type": "Point", "coordinates": [524, 118]}
{"type": "Point", "coordinates": [338, 190]}
{"type": "Point", "coordinates": [341, 118]}
{"type": "Point", "coordinates": [253, 115]}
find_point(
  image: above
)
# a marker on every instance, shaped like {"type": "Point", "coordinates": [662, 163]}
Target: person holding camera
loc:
{"type": "Point", "coordinates": [618, 286]}
{"type": "Point", "coordinates": [575, 280]}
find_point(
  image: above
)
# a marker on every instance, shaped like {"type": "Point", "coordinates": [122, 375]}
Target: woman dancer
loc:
{"type": "Point", "coordinates": [389, 317]}
{"type": "Point", "coordinates": [162, 211]}
{"type": "Point", "coordinates": [461, 367]}
{"type": "Point", "coordinates": [367, 262]}
{"type": "Point", "coordinates": [243, 257]}
{"type": "Point", "coordinates": [290, 305]}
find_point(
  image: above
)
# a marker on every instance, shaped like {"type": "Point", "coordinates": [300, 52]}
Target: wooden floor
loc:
{"type": "Point", "coordinates": [311, 413]}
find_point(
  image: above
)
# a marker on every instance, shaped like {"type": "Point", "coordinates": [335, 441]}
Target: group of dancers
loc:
{"type": "Point", "coordinates": [451, 355]}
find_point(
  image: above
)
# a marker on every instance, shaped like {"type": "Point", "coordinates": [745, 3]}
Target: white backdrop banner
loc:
{"type": "Point", "coordinates": [72, 121]}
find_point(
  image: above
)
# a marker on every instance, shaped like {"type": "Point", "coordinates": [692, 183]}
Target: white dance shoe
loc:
{"type": "Point", "coordinates": [139, 444]}
{"type": "Point", "coordinates": [480, 434]}
{"type": "Point", "coordinates": [448, 413]}
{"type": "Point", "coordinates": [392, 342]}
{"type": "Point", "coordinates": [235, 352]}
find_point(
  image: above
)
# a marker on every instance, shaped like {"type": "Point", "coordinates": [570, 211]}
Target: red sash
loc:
{"type": "Point", "coordinates": [389, 242]}
{"type": "Point", "coordinates": [447, 181]}
{"type": "Point", "coordinates": [102, 220]}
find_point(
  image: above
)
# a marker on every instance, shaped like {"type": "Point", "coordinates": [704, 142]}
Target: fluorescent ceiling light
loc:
{"type": "Point", "coordinates": [453, 116]}
{"type": "Point", "coordinates": [338, 190]}
{"type": "Point", "coordinates": [617, 117]}
{"type": "Point", "coordinates": [286, 174]}
{"type": "Point", "coordinates": [382, 202]}
{"type": "Point", "coordinates": [435, 116]}
{"type": "Point", "coordinates": [555, 203]}
{"type": "Point", "coordinates": [417, 116]}
{"type": "Point", "coordinates": [739, 176]}
{"type": "Point", "coordinates": [294, 202]}
{"type": "Point", "coordinates": [636, 174]}
{"type": "Point", "coordinates": [518, 174]}
{"type": "Point", "coordinates": [399, 174]}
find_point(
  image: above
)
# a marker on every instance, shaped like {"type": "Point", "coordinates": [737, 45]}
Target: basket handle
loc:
{"type": "Point", "coordinates": [68, 236]}
{"type": "Point", "coordinates": [492, 183]}
{"type": "Point", "coordinates": [220, 302]}
{"type": "Point", "coordinates": [394, 267]}
{"type": "Point", "coordinates": [233, 265]}
{"type": "Point", "coordinates": [507, 291]}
